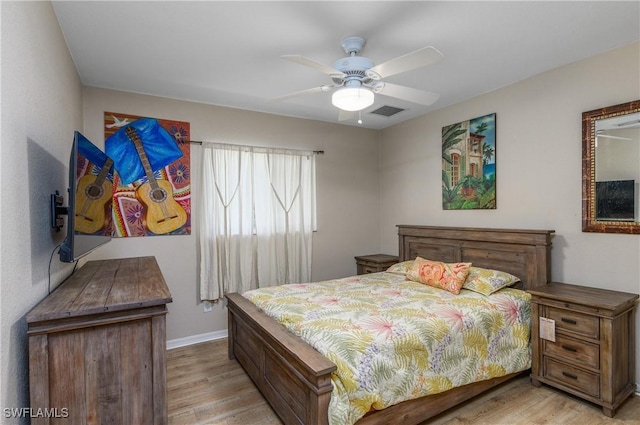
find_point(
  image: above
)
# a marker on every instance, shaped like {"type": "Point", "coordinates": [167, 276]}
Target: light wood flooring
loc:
{"type": "Point", "coordinates": [205, 387]}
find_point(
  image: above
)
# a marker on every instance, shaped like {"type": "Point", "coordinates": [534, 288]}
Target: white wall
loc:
{"type": "Point", "coordinates": [539, 169]}
{"type": "Point", "coordinates": [41, 107]}
{"type": "Point", "coordinates": [347, 185]}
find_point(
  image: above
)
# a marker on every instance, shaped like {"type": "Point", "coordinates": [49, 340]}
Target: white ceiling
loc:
{"type": "Point", "coordinates": [228, 52]}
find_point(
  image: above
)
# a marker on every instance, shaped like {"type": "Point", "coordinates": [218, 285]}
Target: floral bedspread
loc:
{"type": "Point", "coordinates": [393, 339]}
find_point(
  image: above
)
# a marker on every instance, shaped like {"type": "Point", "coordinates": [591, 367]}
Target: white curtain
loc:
{"type": "Point", "coordinates": [257, 218]}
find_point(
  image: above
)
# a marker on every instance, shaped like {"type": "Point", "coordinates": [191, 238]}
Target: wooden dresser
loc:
{"type": "Point", "coordinates": [374, 263]}
{"type": "Point", "coordinates": [593, 355]}
{"type": "Point", "coordinates": [97, 346]}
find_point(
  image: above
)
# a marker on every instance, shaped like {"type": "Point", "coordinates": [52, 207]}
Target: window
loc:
{"type": "Point", "coordinates": [474, 170]}
{"type": "Point", "coordinates": [455, 169]}
{"type": "Point", "coordinates": [257, 217]}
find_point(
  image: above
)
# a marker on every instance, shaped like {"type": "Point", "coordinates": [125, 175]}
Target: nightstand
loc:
{"type": "Point", "coordinates": [375, 263]}
{"type": "Point", "coordinates": [583, 342]}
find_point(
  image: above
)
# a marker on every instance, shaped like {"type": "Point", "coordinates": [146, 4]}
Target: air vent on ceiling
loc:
{"type": "Point", "coordinates": [387, 111]}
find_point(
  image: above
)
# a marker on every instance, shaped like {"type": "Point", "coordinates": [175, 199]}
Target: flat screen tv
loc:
{"type": "Point", "coordinates": [89, 223]}
{"type": "Point", "coordinates": [615, 200]}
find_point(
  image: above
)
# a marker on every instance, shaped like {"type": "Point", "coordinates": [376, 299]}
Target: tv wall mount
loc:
{"type": "Point", "coordinates": [57, 211]}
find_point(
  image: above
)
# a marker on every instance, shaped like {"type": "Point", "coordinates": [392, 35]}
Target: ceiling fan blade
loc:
{"type": "Point", "coordinates": [416, 59]}
{"type": "Point", "coordinates": [301, 93]}
{"type": "Point", "coordinates": [315, 65]}
{"type": "Point", "coordinates": [612, 137]}
{"type": "Point", "coordinates": [633, 122]}
{"type": "Point", "coordinates": [412, 95]}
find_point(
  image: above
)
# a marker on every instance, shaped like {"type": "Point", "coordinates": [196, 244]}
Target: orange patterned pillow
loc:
{"type": "Point", "coordinates": [447, 276]}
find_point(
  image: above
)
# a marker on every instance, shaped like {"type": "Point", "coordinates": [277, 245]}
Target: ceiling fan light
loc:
{"type": "Point", "coordinates": [352, 98]}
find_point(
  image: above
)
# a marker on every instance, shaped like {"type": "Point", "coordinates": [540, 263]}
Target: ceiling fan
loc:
{"type": "Point", "coordinates": [356, 79]}
{"type": "Point", "coordinates": [599, 133]}
{"type": "Point", "coordinates": [617, 123]}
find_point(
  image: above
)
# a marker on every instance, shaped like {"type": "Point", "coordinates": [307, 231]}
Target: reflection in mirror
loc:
{"type": "Point", "coordinates": [617, 144]}
{"type": "Point", "coordinates": [611, 169]}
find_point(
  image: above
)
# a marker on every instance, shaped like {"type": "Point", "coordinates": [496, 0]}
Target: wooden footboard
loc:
{"type": "Point", "coordinates": [293, 377]}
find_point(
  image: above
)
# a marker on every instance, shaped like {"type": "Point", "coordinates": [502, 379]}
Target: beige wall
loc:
{"type": "Point", "coordinates": [347, 184]}
{"type": "Point", "coordinates": [538, 167]}
{"type": "Point", "coordinates": [41, 107]}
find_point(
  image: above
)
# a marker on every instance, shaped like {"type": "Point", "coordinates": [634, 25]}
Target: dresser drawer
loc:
{"type": "Point", "coordinates": [572, 321]}
{"type": "Point", "coordinates": [375, 263]}
{"type": "Point", "coordinates": [369, 269]}
{"type": "Point", "coordinates": [573, 350]}
{"type": "Point", "coordinates": [573, 377]}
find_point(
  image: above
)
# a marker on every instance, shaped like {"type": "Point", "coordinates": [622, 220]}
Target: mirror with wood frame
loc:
{"type": "Point", "coordinates": [611, 169]}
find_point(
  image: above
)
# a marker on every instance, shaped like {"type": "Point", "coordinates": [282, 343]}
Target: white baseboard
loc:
{"type": "Point", "coordinates": [196, 339]}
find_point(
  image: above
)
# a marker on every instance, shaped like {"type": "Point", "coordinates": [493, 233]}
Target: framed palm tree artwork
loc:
{"type": "Point", "coordinates": [468, 164]}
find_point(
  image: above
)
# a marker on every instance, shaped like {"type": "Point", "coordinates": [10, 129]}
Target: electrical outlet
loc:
{"type": "Point", "coordinates": [208, 306]}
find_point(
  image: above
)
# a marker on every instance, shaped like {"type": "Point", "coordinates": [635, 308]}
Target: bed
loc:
{"type": "Point", "coordinates": [296, 379]}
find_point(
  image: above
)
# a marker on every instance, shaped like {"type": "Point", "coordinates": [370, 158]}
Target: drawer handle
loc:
{"type": "Point", "coordinates": [569, 375]}
{"type": "Point", "coordinates": [570, 321]}
{"type": "Point", "coordinates": [570, 348]}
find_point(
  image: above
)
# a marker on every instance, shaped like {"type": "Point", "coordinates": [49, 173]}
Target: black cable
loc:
{"type": "Point", "coordinates": [75, 266]}
{"type": "Point", "coordinates": [51, 259]}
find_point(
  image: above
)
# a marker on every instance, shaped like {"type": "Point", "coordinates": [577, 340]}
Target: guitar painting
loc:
{"type": "Point", "coordinates": [93, 194]}
{"type": "Point", "coordinates": [152, 175]}
{"type": "Point", "coordinates": [162, 213]}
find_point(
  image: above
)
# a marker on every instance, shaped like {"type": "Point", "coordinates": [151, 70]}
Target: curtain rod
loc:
{"type": "Point", "coordinates": [200, 142]}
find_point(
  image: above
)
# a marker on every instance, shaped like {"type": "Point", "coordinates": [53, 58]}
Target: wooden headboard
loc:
{"type": "Point", "coordinates": [523, 253]}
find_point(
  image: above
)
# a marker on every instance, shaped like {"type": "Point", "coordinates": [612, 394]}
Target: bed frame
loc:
{"type": "Point", "coordinates": [296, 379]}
